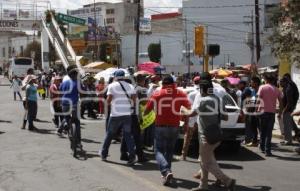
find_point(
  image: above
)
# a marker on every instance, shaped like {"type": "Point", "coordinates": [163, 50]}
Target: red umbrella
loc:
{"type": "Point", "coordinates": [143, 72]}
{"type": "Point", "coordinates": [233, 81]}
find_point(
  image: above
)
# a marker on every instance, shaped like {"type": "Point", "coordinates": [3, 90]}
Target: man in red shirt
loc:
{"type": "Point", "coordinates": [167, 103]}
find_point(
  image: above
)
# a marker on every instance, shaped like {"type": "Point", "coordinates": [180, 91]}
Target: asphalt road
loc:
{"type": "Point", "coordinates": [43, 161]}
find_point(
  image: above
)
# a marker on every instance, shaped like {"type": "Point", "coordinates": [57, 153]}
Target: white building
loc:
{"type": "Point", "coordinates": [166, 29]}
{"type": "Point", "coordinates": [228, 24]}
{"type": "Point", "coordinates": [120, 15]}
{"type": "Point", "coordinates": [13, 44]}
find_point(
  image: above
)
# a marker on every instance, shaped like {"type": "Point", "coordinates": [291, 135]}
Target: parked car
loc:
{"type": "Point", "coordinates": [233, 129]}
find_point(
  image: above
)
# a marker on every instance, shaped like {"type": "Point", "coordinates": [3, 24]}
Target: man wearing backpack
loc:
{"type": "Point", "coordinates": [289, 103]}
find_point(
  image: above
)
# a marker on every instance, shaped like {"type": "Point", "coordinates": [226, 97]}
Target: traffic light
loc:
{"type": "Point", "coordinates": [199, 40]}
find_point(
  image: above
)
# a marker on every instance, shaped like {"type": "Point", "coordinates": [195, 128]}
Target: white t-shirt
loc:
{"type": "Point", "coordinates": [16, 85]}
{"type": "Point", "coordinates": [192, 97]}
{"type": "Point", "coordinates": [120, 105]}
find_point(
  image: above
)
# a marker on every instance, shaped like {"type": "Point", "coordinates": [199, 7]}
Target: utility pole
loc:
{"type": "Point", "coordinates": [251, 38]}
{"type": "Point", "coordinates": [257, 28]}
{"type": "Point", "coordinates": [95, 35]}
{"type": "Point", "coordinates": [187, 49]}
{"type": "Point", "coordinates": [137, 33]}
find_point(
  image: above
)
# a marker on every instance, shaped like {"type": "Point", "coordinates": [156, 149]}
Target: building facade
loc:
{"type": "Point", "coordinates": [13, 44]}
{"type": "Point", "coordinates": [119, 16]}
{"type": "Point", "coordinates": [229, 24]}
{"type": "Point", "coordinates": [166, 29]}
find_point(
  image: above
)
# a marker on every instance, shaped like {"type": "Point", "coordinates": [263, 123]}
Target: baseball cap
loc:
{"type": "Point", "coordinates": [119, 73]}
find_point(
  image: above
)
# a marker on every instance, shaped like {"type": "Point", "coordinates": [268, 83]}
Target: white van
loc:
{"type": "Point", "coordinates": [18, 66]}
{"type": "Point", "coordinates": [234, 128]}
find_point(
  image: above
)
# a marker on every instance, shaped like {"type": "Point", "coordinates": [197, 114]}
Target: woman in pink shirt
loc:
{"type": "Point", "coordinates": [268, 95]}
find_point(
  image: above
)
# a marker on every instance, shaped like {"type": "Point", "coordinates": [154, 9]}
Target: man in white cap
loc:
{"type": "Point", "coordinates": [121, 97]}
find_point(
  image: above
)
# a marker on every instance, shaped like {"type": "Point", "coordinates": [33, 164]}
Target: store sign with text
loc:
{"type": "Point", "coordinates": [19, 25]}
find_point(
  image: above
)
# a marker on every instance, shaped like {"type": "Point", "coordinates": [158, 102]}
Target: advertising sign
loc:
{"type": "Point", "coordinates": [101, 33]}
{"type": "Point", "coordinates": [24, 14]}
{"type": "Point", "coordinates": [19, 25]}
{"type": "Point", "coordinates": [11, 14]}
{"type": "Point", "coordinates": [145, 25]}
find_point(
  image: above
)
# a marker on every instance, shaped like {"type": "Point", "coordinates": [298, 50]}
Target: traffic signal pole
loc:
{"type": "Point", "coordinates": [137, 34]}
{"type": "Point", "coordinates": [257, 27]}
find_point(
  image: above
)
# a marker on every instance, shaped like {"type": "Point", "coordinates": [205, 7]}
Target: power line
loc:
{"type": "Point", "coordinates": [207, 7]}
{"type": "Point", "coordinates": [196, 23]}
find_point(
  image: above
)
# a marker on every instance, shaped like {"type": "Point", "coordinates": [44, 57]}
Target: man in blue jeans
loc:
{"type": "Point", "coordinates": [167, 103]}
{"type": "Point", "coordinates": [120, 98]}
{"type": "Point", "coordinates": [268, 95]}
{"type": "Point", "coordinates": [69, 101]}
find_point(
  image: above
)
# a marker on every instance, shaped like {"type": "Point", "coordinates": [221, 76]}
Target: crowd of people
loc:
{"type": "Point", "coordinates": [146, 111]}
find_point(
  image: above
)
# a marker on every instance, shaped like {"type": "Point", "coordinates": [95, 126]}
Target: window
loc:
{"type": "Point", "coordinates": [110, 11]}
{"type": "Point", "coordinates": [23, 61]}
{"type": "Point", "coordinates": [9, 52]}
{"type": "Point", "coordinates": [269, 13]}
{"type": "Point", "coordinates": [110, 20]}
{"type": "Point", "coordinates": [3, 52]}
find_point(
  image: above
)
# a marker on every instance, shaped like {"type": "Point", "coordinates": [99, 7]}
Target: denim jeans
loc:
{"type": "Point", "coordinates": [252, 125]}
{"type": "Point", "coordinates": [114, 124]}
{"type": "Point", "coordinates": [68, 117]}
{"type": "Point", "coordinates": [164, 145]}
{"type": "Point", "coordinates": [19, 94]}
{"type": "Point", "coordinates": [136, 132]}
{"type": "Point", "coordinates": [267, 121]}
{"type": "Point", "coordinates": [32, 110]}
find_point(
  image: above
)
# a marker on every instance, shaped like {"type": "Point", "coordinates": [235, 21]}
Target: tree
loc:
{"type": "Point", "coordinates": [285, 39]}
{"type": "Point", "coordinates": [154, 52]}
{"type": "Point", "coordinates": [36, 48]}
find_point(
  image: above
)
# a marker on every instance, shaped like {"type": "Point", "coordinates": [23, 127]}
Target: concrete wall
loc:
{"type": "Point", "coordinates": [171, 44]}
{"type": "Point", "coordinates": [227, 27]}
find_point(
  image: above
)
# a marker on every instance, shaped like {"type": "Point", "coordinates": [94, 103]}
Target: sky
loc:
{"type": "Point", "coordinates": [73, 4]}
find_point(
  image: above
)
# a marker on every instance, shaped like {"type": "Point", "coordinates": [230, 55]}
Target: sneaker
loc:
{"type": "Point", "coordinates": [58, 132]}
{"type": "Point", "coordinates": [104, 159]}
{"type": "Point", "coordinates": [182, 158]}
{"type": "Point", "coordinates": [131, 161]}
{"type": "Point", "coordinates": [218, 183]}
{"type": "Point", "coordinates": [168, 179]}
{"type": "Point", "coordinates": [124, 157]}
{"type": "Point", "coordinates": [286, 143]}
{"type": "Point", "coordinates": [252, 144]}
{"type": "Point", "coordinates": [269, 154]}
{"type": "Point", "coordinates": [231, 186]}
